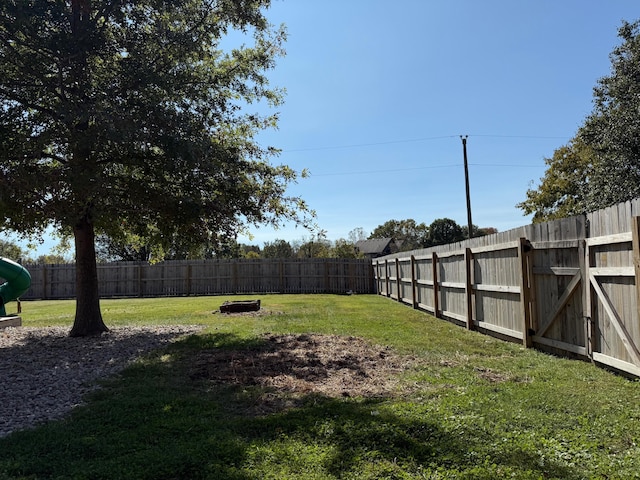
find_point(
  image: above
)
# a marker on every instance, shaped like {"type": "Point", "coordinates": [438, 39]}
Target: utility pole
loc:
{"type": "Point", "coordinates": [466, 184]}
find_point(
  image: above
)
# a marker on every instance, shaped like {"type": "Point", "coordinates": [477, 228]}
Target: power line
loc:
{"type": "Point", "coordinates": [503, 165]}
{"type": "Point", "coordinates": [390, 170]}
{"type": "Point", "coordinates": [413, 140]}
{"type": "Point", "coordinates": [540, 137]}
{"type": "Point", "coordinates": [367, 144]}
{"type": "Point", "coordinates": [395, 170]}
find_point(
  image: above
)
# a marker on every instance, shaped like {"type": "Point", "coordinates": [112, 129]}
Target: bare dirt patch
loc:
{"type": "Point", "coordinates": [294, 366]}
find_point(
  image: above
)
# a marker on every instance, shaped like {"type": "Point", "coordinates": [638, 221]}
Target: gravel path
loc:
{"type": "Point", "coordinates": [44, 373]}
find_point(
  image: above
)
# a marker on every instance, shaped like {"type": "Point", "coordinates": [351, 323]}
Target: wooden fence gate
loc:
{"type": "Point", "coordinates": [611, 299]}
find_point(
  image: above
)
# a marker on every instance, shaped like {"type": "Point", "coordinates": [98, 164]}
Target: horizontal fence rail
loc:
{"type": "Point", "coordinates": [208, 277]}
{"type": "Point", "coordinates": [570, 287]}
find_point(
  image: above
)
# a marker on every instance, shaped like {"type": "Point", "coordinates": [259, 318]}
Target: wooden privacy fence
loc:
{"type": "Point", "coordinates": [208, 277]}
{"type": "Point", "coordinates": [570, 286]}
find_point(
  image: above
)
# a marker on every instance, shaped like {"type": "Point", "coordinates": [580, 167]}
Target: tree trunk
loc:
{"type": "Point", "coordinates": [88, 319]}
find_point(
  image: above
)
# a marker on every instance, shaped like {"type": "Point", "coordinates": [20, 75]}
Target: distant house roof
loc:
{"type": "Point", "coordinates": [375, 246]}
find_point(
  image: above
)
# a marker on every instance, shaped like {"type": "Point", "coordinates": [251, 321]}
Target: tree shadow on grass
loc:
{"type": "Point", "coordinates": [170, 417]}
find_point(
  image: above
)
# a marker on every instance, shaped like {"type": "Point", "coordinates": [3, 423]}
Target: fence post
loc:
{"type": "Point", "coordinates": [371, 279]}
{"type": "Point", "coordinates": [434, 269]}
{"type": "Point", "coordinates": [398, 281]}
{"type": "Point", "coordinates": [386, 278]}
{"type": "Point", "coordinates": [414, 283]}
{"type": "Point", "coordinates": [524, 247]}
{"type": "Point", "coordinates": [635, 241]}
{"type": "Point", "coordinates": [468, 288]}
{"type": "Point", "coordinates": [586, 289]}
{"type": "Point", "coordinates": [588, 307]}
{"type": "Point", "coordinates": [376, 277]}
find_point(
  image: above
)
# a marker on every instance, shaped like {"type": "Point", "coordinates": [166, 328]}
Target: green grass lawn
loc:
{"type": "Point", "coordinates": [469, 407]}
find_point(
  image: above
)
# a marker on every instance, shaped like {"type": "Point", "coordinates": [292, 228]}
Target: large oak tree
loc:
{"type": "Point", "coordinates": [129, 117]}
{"type": "Point", "coordinates": [613, 128]}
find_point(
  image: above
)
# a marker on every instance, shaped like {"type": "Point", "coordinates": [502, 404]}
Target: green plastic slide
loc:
{"type": "Point", "coordinates": [18, 281]}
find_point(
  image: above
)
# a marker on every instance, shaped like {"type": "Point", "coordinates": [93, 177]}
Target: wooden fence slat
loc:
{"type": "Point", "coordinates": [542, 245]}
{"type": "Point", "coordinates": [568, 347]}
{"type": "Point", "coordinates": [617, 363]}
{"type": "Point", "coordinates": [611, 238]}
{"type": "Point", "coordinates": [483, 287]}
{"type": "Point", "coordinates": [568, 271]}
{"type": "Point", "coordinates": [612, 271]}
{"type": "Point", "coordinates": [494, 248]}
{"type": "Point", "coordinates": [516, 334]}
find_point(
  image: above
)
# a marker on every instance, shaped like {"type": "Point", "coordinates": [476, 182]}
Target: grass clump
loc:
{"type": "Point", "coordinates": [456, 404]}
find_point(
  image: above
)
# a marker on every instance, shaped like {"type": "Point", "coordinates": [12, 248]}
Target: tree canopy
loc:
{"type": "Point", "coordinates": [11, 250]}
{"type": "Point", "coordinates": [564, 190]}
{"type": "Point", "coordinates": [613, 128]}
{"type": "Point", "coordinates": [277, 249]}
{"type": "Point", "coordinates": [408, 234]}
{"type": "Point", "coordinates": [129, 118]}
{"type": "Point", "coordinates": [443, 231]}
{"type": "Point", "coordinates": [600, 166]}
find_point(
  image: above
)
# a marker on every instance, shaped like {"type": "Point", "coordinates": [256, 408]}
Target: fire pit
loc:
{"type": "Point", "coordinates": [240, 306]}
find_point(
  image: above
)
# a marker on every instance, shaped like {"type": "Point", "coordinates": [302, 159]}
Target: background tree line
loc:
{"type": "Point", "coordinates": [407, 235]}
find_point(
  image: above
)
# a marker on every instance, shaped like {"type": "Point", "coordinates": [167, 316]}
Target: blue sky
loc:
{"type": "Point", "coordinates": [379, 92]}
